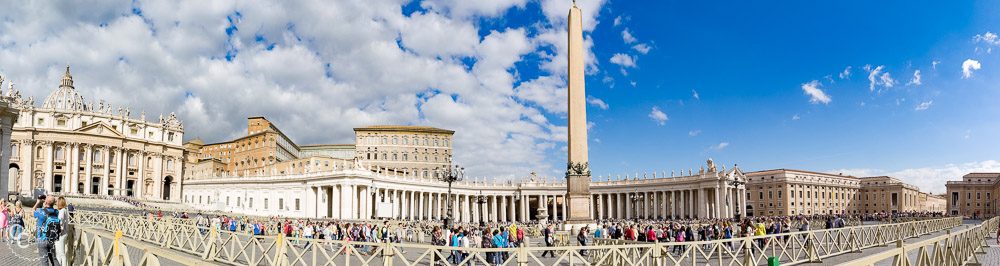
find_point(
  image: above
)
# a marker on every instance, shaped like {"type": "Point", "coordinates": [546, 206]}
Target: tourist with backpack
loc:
{"type": "Point", "coordinates": [48, 230]}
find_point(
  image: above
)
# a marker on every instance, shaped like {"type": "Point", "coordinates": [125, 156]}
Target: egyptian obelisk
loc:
{"type": "Point", "coordinates": [578, 167]}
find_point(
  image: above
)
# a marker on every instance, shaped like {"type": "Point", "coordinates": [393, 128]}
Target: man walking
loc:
{"type": "Point", "coordinates": [548, 236]}
{"type": "Point", "coordinates": [47, 217]}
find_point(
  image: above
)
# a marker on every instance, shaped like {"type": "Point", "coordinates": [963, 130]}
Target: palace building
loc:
{"type": "Point", "coordinates": [71, 146]}
{"type": "Point", "coordinates": [974, 195]}
{"type": "Point", "coordinates": [265, 150]}
{"type": "Point", "coordinates": [798, 192]}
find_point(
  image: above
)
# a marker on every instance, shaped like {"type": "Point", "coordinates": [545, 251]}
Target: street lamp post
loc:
{"type": "Point", "coordinates": [481, 199]}
{"type": "Point", "coordinates": [636, 197]}
{"type": "Point", "coordinates": [449, 175]}
{"type": "Point", "coordinates": [736, 183]}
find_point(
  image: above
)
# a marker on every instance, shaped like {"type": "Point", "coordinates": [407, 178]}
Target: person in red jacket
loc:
{"type": "Point", "coordinates": [650, 234]}
{"type": "Point", "coordinates": [630, 233]}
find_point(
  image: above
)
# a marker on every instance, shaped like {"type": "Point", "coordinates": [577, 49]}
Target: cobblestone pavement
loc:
{"type": "Point", "coordinates": [992, 255]}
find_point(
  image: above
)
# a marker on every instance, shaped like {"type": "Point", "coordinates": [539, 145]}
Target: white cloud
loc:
{"type": "Point", "coordinates": [916, 78]}
{"type": "Point", "coordinates": [323, 67]}
{"type": "Point", "coordinates": [627, 36]}
{"type": "Point", "coordinates": [642, 48]}
{"type": "Point", "coordinates": [989, 38]}
{"type": "Point", "coordinates": [719, 147]}
{"type": "Point", "coordinates": [694, 93]}
{"type": "Point", "coordinates": [887, 80]}
{"type": "Point", "coordinates": [694, 133]}
{"type": "Point", "coordinates": [929, 179]}
{"type": "Point", "coordinates": [623, 60]}
{"type": "Point", "coordinates": [923, 106]}
{"type": "Point", "coordinates": [816, 95]}
{"type": "Point", "coordinates": [618, 21]}
{"type": "Point", "coordinates": [658, 116]}
{"type": "Point", "coordinates": [796, 117]}
{"type": "Point", "coordinates": [968, 66]}
{"type": "Point", "coordinates": [423, 33]}
{"type": "Point", "coordinates": [846, 74]}
{"type": "Point", "coordinates": [597, 102]}
{"type": "Point", "coordinates": [877, 77]}
{"type": "Point", "coordinates": [934, 64]}
{"type": "Point", "coordinates": [463, 9]}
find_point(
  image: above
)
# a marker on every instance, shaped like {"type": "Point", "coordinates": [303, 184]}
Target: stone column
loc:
{"type": "Point", "coordinates": [8, 117]}
{"type": "Point", "coordinates": [599, 207]}
{"type": "Point", "coordinates": [628, 206]}
{"type": "Point", "coordinates": [120, 173]}
{"type": "Point", "coordinates": [88, 170]}
{"type": "Point", "coordinates": [645, 204]}
{"type": "Point", "coordinates": [441, 208]}
{"type": "Point", "coordinates": [673, 205]}
{"type": "Point", "coordinates": [743, 201]}
{"type": "Point", "coordinates": [468, 209]}
{"type": "Point", "coordinates": [103, 190]}
{"type": "Point", "coordinates": [702, 195]}
{"type": "Point", "coordinates": [49, 161]}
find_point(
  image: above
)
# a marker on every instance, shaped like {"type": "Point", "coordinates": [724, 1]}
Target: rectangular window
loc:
{"type": "Point", "coordinates": [41, 121]}
{"type": "Point", "coordinates": [251, 203]}
{"type": "Point", "coordinates": [281, 204]}
{"type": "Point", "coordinates": [761, 195]}
{"type": "Point", "coordinates": [265, 203]}
{"type": "Point", "coordinates": [779, 194]}
{"type": "Point", "coordinates": [296, 204]}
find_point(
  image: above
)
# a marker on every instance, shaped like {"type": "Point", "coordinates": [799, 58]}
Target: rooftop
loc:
{"type": "Point", "coordinates": [397, 128]}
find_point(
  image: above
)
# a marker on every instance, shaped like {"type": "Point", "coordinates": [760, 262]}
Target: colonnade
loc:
{"type": "Point", "coordinates": [360, 202]}
{"type": "Point", "coordinates": [715, 202]}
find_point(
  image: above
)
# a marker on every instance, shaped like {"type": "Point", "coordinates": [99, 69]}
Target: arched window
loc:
{"type": "Point", "coordinates": [170, 164]}
{"type": "Point", "coordinates": [406, 141]}
{"type": "Point", "coordinates": [13, 150]}
{"type": "Point", "coordinates": [96, 157]}
{"type": "Point", "coordinates": [149, 161]}
{"type": "Point", "coordinates": [395, 157]}
{"type": "Point", "coordinates": [395, 140]}
{"type": "Point", "coordinates": [131, 160]}
{"type": "Point", "coordinates": [38, 153]}
{"type": "Point", "coordinates": [406, 156]}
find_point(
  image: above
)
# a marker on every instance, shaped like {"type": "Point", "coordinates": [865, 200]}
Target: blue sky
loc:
{"type": "Point", "coordinates": [748, 62]}
{"type": "Point", "coordinates": [778, 85]}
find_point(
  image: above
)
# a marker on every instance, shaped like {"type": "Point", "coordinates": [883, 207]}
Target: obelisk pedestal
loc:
{"type": "Point", "coordinates": [578, 167]}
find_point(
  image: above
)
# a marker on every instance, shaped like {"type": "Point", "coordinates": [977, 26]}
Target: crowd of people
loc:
{"type": "Point", "coordinates": [484, 235]}
{"type": "Point", "coordinates": [52, 218]}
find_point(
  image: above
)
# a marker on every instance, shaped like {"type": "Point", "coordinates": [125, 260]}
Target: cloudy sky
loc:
{"type": "Point", "coordinates": [899, 88]}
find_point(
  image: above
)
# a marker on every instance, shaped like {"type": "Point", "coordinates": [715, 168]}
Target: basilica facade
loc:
{"type": "Point", "coordinates": [71, 146]}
